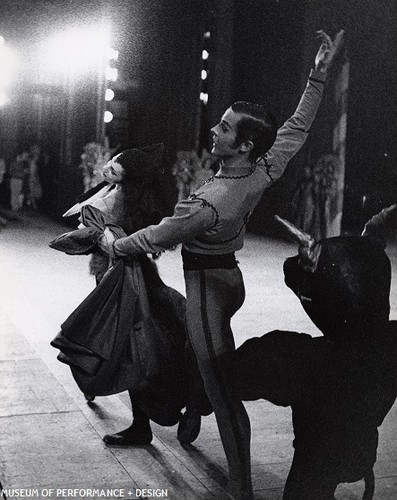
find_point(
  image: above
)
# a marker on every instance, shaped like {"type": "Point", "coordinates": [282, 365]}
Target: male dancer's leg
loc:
{"type": "Point", "coordinates": [213, 296]}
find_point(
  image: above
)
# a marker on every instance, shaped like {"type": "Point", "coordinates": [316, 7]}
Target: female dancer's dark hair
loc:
{"type": "Point", "coordinates": [144, 202]}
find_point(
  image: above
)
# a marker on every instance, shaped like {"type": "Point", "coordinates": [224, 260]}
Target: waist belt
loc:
{"type": "Point", "coordinates": [197, 261]}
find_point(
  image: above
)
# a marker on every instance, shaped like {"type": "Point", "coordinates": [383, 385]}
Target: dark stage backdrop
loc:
{"type": "Point", "coordinates": [273, 50]}
{"type": "Point", "coordinates": [371, 146]}
{"type": "Point", "coordinates": [160, 52]}
{"type": "Point", "coordinates": [268, 47]}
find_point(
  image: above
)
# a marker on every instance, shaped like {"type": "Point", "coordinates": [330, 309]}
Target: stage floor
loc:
{"type": "Point", "coordinates": [51, 439]}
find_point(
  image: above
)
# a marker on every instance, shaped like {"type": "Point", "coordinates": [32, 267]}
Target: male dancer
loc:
{"type": "Point", "coordinates": [210, 224]}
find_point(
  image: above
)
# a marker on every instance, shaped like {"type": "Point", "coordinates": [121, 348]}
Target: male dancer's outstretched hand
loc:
{"type": "Point", "coordinates": [328, 49]}
{"type": "Point", "coordinates": [106, 241]}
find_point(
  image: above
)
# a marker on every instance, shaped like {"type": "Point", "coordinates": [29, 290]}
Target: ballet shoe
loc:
{"type": "Point", "coordinates": [129, 437]}
{"type": "Point", "coordinates": [189, 427]}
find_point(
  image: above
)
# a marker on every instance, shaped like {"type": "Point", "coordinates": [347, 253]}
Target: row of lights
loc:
{"type": "Point", "coordinates": [204, 72]}
{"type": "Point", "coordinates": [61, 55]}
{"type": "Point", "coordinates": [111, 76]}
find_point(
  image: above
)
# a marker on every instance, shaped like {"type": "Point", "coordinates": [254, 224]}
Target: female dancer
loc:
{"type": "Point", "coordinates": [131, 196]}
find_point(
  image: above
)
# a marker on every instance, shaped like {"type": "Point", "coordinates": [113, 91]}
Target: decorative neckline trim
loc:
{"type": "Point", "coordinates": [251, 171]}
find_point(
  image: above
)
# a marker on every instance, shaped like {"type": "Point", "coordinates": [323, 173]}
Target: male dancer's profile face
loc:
{"type": "Point", "coordinates": [224, 135]}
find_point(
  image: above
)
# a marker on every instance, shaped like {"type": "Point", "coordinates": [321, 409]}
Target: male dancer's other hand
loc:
{"type": "Point", "coordinates": [106, 241]}
{"type": "Point", "coordinates": [328, 49]}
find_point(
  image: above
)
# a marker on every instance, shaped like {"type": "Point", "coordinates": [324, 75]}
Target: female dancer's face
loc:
{"type": "Point", "coordinates": [113, 172]}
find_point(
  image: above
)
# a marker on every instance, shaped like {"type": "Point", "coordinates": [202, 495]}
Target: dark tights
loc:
{"type": "Point", "coordinates": [139, 418]}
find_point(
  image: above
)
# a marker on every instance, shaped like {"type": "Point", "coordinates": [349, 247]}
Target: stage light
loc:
{"type": "Point", "coordinates": [203, 74]}
{"type": "Point", "coordinates": [111, 74]}
{"type": "Point", "coordinates": [204, 97]}
{"type": "Point", "coordinates": [113, 54]}
{"type": "Point", "coordinates": [76, 50]}
{"type": "Point", "coordinates": [108, 117]}
{"type": "Point", "coordinates": [205, 54]}
{"type": "Point", "coordinates": [109, 95]}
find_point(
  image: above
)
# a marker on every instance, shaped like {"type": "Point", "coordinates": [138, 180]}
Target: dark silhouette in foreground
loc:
{"type": "Point", "coordinates": [340, 386]}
